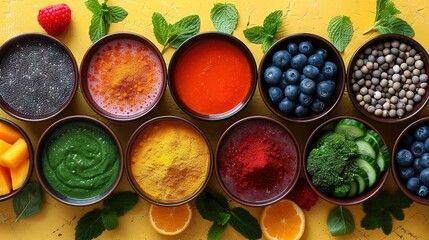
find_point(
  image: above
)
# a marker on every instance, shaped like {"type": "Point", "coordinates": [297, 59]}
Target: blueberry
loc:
{"type": "Point", "coordinates": [319, 78]}
{"type": "Point", "coordinates": [418, 148]}
{"type": "Point", "coordinates": [424, 176]}
{"type": "Point", "coordinates": [306, 48]}
{"type": "Point", "coordinates": [417, 166]}
{"type": "Point", "coordinates": [404, 157]}
{"type": "Point", "coordinates": [422, 191]}
{"type": "Point", "coordinates": [307, 86]}
{"type": "Point", "coordinates": [318, 105]}
{"type": "Point", "coordinates": [424, 160]}
{"type": "Point", "coordinates": [427, 144]}
{"type": "Point", "coordinates": [286, 105]}
{"type": "Point", "coordinates": [407, 140]}
{"type": "Point", "coordinates": [305, 99]}
{"type": "Point", "coordinates": [413, 184]}
{"type": "Point", "coordinates": [292, 76]}
{"type": "Point", "coordinates": [299, 61]}
{"type": "Point", "coordinates": [325, 89]}
{"type": "Point", "coordinates": [406, 173]}
{"type": "Point", "coordinates": [329, 69]}
{"type": "Point", "coordinates": [292, 48]}
{"type": "Point", "coordinates": [310, 71]}
{"type": "Point", "coordinates": [316, 60]}
{"type": "Point", "coordinates": [421, 133]}
{"type": "Point", "coordinates": [275, 93]}
{"type": "Point", "coordinates": [281, 59]}
{"type": "Point", "coordinates": [300, 110]}
{"type": "Point", "coordinates": [283, 83]}
{"type": "Point", "coordinates": [302, 77]}
{"type": "Point", "coordinates": [322, 52]}
{"type": "Point", "coordinates": [273, 75]}
{"type": "Point", "coordinates": [292, 92]}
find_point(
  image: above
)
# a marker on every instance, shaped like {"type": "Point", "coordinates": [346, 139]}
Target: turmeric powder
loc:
{"type": "Point", "coordinates": [170, 161]}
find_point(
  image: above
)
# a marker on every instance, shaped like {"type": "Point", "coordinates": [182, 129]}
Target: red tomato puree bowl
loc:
{"type": "Point", "coordinates": [212, 76]}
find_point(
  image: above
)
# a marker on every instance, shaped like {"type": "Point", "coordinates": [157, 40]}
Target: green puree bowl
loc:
{"type": "Point", "coordinates": [72, 168]}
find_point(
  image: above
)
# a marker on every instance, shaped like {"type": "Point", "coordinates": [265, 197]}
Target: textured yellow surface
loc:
{"type": "Point", "coordinates": [57, 221]}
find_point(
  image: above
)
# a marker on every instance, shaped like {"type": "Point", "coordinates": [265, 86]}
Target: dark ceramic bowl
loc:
{"type": "Point", "coordinates": [44, 61]}
{"type": "Point", "coordinates": [176, 172]}
{"type": "Point", "coordinates": [85, 160]}
{"type": "Point", "coordinates": [218, 70]}
{"type": "Point", "coordinates": [333, 56]}
{"type": "Point", "coordinates": [123, 86]}
{"type": "Point", "coordinates": [258, 161]}
{"type": "Point", "coordinates": [310, 144]}
{"type": "Point", "coordinates": [379, 40]}
{"type": "Point", "coordinates": [403, 142]}
{"type": "Point", "coordinates": [31, 158]}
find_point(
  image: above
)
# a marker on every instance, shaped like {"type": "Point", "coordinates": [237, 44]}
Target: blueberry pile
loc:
{"type": "Point", "coordinates": [413, 161]}
{"type": "Point", "coordinates": [301, 79]}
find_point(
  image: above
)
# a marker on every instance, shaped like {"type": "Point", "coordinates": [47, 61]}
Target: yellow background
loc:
{"type": "Point", "coordinates": [57, 221]}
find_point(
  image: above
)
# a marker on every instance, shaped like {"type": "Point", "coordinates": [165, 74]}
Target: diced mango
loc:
{"type": "Point", "coordinates": [15, 155]}
{"type": "Point", "coordinates": [8, 133]}
{"type": "Point", "coordinates": [4, 146]}
{"type": "Point", "coordinates": [5, 181]}
{"type": "Point", "coordinates": [19, 174]}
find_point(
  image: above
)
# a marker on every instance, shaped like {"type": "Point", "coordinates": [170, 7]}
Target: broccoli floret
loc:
{"type": "Point", "coordinates": [332, 164]}
{"type": "Point", "coordinates": [341, 191]}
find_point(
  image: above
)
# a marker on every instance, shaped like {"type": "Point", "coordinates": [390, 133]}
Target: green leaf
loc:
{"type": "Point", "coordinates": [386, 225]}
{"type": "Point", "coordinates": [121, 202]}
{"type": "Point", "coordinates": [395, 25]}
{"type": "Point", "coordinates": [273, 22]}
{"type": "Point", "coordinates": [115, 14]}
{"type": "Point", "coordinates": [340, 221]}
{"type": "Point", "coordinates": [219, 199]}
{"type": "Point", "coordinates": [267, 43]}
{"type": "Point", "coordinates": [372, 220]}
{"type": "Point", "coordinates": [93, 6]}
{"type": "Point", "coordinates": [224, 17]}
{"type": "Point", "coordinates": [210, 208]}
{"type": "Point", "coordinates": [28, 201]}
{"type": "Point", "coordinates": [385, 8]}
{"type": "Point", "coordinates": [160, 28]}
{"type": "Point", "coordinates": [215, 232]}
{"type": "Point", "coordinates": [98, 27]}
{"type": "Point", "coordinates": [89, 226]}
{"type": "Point", "coordinates": [340, 31]}
{"type": "Point", "coordinates": [256, 34]}
{"type": "Point", "coordinates": [243, 222]}
{"type": "Point", "coordinates": [397, 213]}
{"type": "Point", "coordinates": [190, 26]}
{"type": "Point", "coordinates": [109, 219]}
{"type": "Point", "coordinates": [401, 200]}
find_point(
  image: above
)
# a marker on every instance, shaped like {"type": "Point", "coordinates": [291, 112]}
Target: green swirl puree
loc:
{"type": "Point", "coordinates": [80, 160]}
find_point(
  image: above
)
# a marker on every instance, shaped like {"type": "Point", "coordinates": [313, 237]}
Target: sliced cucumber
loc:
{"type": "Point", "coordinates": [374, 135]}
{"type": "Point", "coordinates": [353, 189]}
{"type": "Point", "coordinates": [369, 165]}
{"type": "Point", "coordinates": [383, 158]}
{"type": "Point", "coordinates": [362, 180]}
{"type": "Point", "coordinates": [367, 146]}
{"type": "Point", "coordinates": [350, 128]}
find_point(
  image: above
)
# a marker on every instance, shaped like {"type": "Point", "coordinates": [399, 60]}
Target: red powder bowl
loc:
{"type": "Point", "coordinates": [212, 76]}
{"type": "Point", "coordinates": [257, 161]}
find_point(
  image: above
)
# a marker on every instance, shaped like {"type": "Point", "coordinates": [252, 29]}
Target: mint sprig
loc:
{"type": "Point", "coordinates": [95, 222]}
{"type": "Point", "coordinates": [265, 34]}
{"type": "Point", "coordinates": [224, 17]}
{"type": "Point", "coordinates": [102, 17]}
{"type": "Point", "coordinates": [340, 31]}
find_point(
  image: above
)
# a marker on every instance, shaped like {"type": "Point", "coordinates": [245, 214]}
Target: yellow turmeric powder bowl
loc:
{"type": "Point", "coordinates": [168, 161]}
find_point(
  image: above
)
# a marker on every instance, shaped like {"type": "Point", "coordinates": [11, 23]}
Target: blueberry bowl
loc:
{"type": "Point", "coordinates": [410, 161]}
{"type": "Point", "coordinates": [346, 160]}
{"type": "Point", "coordinates": [301, 77]}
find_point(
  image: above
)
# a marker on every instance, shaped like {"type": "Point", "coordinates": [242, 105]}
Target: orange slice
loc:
{"type": "Point", "coordinates": [170, 220]}
{"type": "Point", "coordinates": [283, 220]}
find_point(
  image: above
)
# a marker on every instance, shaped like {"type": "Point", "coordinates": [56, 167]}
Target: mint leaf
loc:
{"type": "Point", "coordinates": [121, 202]}
{"type": "Point", "coordinates": [160, 28]}
{"type": "Point", "coordinates": [385, 8]}
{"type": "Point", "coordinates": [190, 26]}
{"type": "Point", "coordinates": [340, 221]}
{"type": "Point", "coordinates": [267, 43]}
{"type": "Point", "coordinates": [397, 213]}
{"type": "Point", "coordinates": [394, 25]}
{"type": "Point", "coordinates": [372, 220]}
{"type": "Point", "coordinates": [115, 14]}
{"type": "Point", "coordinates": [224, 17]}
{"type": "Point", "coordinates": [28, 201]}
{"type": "Point", "coordinates": [256, 34]}
{"type": "Point", "coordinates": [93, 6]}
{"type": "Point", "coordinates": [386, 224]}
{"type": "Point", "coordinates": [215, 232]}
{"type": "Point", "coordinates": [401, 200]}
{"type": "Point", "coordinates": [89, 226]}
{"type": "Point", "coordinates": [273, 22]}
{"type": "Point", "coordinates": [109, 219]}
{"type": "Point", "coordinates": [340, 31]}
{"type": "Point", "coordinates": [243, 222]}
{"type": "Point", "coordinates": [98, 27]}
{"type": "Point", "coordinates": [210, 208]}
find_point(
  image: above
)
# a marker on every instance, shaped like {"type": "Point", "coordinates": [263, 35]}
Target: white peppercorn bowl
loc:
{"type": "Point", "coordinates": [373, 104]}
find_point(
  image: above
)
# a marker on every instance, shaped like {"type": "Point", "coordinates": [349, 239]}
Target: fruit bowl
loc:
{"type": "Point", "coordinates": [357, 157]}
{"type": "Point", "coordinates": [301, 77]}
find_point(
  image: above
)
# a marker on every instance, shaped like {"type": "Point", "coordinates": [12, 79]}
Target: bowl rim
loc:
{"type": "Point", "coordinates": [39, 160]}
{"type": "Point", "coordinates": [334, 200]}
{"type": "Point", "coordinates": [130, 144]}
{"type": "Point", "coordinates": [88, 56]}
{"type": "Point", "coordinates": [371, 42]}
{"type": "Point", "coordinates": [46, 38]}
{"type": "Point", "coordinates": [296, 174]}
{"type": "Point", "coordinates": [31, 158]}
{"type": "Point", "coordinates": [340, 83]}
{"type": "Point", "coordinates": [393, 167]}
{"type": "Point", "coordinates": [190, 42]}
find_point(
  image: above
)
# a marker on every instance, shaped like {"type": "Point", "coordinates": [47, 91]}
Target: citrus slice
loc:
{"type": "Point", "coordinates": [283, 220]}
{"type": "Point", "coordinates": [170, 220]}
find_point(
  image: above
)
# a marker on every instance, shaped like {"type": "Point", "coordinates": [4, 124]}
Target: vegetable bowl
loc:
{"type": "Point", "coordinates": [346, 160]}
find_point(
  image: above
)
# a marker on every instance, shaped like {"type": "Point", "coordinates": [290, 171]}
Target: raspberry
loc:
{"type": "Point", "coordinates": [303, 195]}
{"type": "Point", "coordinates": [55, 19]}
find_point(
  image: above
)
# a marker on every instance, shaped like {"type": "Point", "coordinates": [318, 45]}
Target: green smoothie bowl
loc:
{"type": "Point", "coordinates": [79, 160]}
